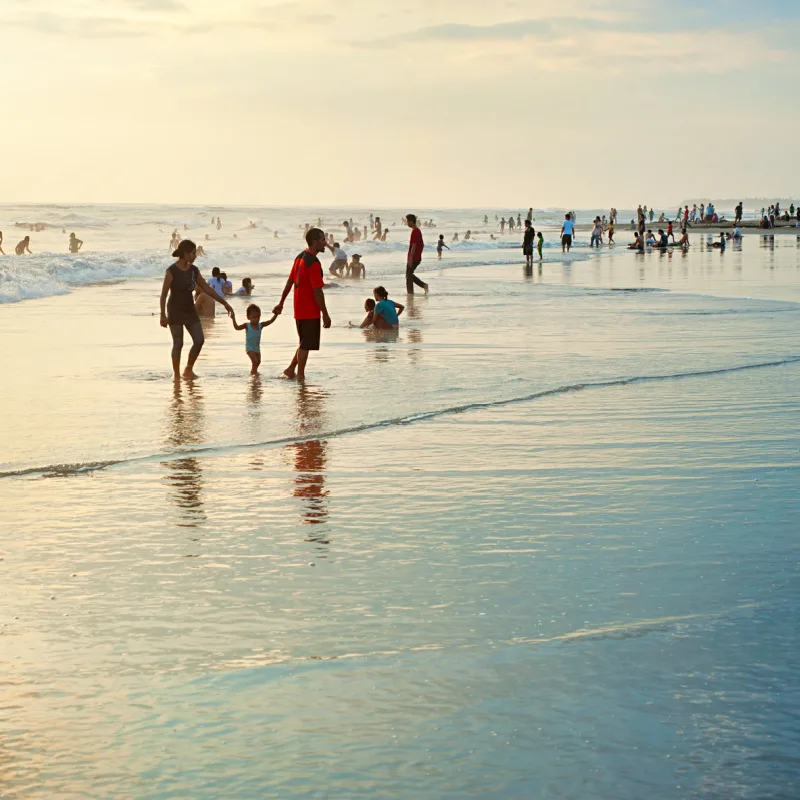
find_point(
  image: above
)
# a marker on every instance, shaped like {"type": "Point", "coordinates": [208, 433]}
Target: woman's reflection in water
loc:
{"type": "Point", "coordinates": [310, 459]}
{"type": "Point", "coordinates": [186, 425]}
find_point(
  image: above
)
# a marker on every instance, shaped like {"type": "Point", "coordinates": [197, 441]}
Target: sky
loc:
{"type": "Point", "coordinates": [420, 103]}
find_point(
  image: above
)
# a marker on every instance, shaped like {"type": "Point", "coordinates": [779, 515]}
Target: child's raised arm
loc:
{"type": "Point", "coordinates": [237, 327]}
{"type": "Point", "coordinates": [269, 321]}
{"type": "Point", "coordinates": [368, 320]}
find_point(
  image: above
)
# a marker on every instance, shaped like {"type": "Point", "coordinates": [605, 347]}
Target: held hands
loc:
{"type": "Point", "coordinates": [278, 309]}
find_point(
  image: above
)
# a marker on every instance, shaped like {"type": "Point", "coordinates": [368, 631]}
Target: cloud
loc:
{"type": "Point", "coordinates": [81, 27]}
{"type": "Point", "coordinates": [157, 5]}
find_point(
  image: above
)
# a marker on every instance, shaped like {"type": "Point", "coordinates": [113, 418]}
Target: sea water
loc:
{"type": "Point", "coordinates": [540, 542]}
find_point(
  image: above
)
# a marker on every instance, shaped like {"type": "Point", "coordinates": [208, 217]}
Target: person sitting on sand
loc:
{"type": "Point", "coordinates": [662, 241]}
{"type": "Point", "coordinates": [387, 312]}
{"type": "Point", "coordinates": [721, 244]}
{"type": "Point", "coordinates": [737, 232]}
{"type": "Point", "coordinates": [684, 240]}
{"type": "Point", "coordinates": [650, 239]}
{"type": "Point", "coordinates": [355, 269]}
{"type": "Point", "coordinates": [246, 289]}
{"type": "Point", "coordinates": [75, 243]}
{"type": "Point", "coordinates": [637, 243]}
{"type": "Point", "coordinates": [369, 307]}
{"type": "Point", "coordinates": [23, 246]}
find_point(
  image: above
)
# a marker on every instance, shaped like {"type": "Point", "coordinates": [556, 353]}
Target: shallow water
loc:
{"type": "Point", "coordinates": [541, 544]}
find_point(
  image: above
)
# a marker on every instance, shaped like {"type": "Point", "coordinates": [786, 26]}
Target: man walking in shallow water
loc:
{"type": "Point", "coordinates": [415, 248]}
{"type": "Point", "coordinates": [309, 301]}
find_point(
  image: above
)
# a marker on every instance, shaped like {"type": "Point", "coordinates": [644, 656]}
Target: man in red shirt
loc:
{"type": "Point", "coordinates": [415, 248]}
{"type": "Point", "coordinates": [309, 301]}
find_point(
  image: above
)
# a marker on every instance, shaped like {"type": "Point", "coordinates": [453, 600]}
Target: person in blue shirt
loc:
{"type": "Point", "coordinates": [252, 339]}
{"type": "Point", "coordinates": [387, 312]}
{"type": "Point", "coordinates": [567, 232]}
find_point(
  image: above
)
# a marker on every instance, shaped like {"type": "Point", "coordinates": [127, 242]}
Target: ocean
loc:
{"type": "Point", "coordinates": [542, 542]}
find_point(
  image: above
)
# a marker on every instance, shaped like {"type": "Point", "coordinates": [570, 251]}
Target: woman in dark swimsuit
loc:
{"type": "Point", "coordinates": [180, 282]}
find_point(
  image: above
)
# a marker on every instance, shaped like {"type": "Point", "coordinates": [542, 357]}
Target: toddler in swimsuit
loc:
{"type": "Point", "coordinates": [252, 339]}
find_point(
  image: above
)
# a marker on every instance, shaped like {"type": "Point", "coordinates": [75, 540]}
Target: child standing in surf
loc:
{"type": "Point", "coordinates": [252, 339]}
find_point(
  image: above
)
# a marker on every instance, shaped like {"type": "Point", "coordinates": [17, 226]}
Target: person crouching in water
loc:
{"type": "Point", "coordinates": [387, 312]}
{"type": "Point", "coordinates": [369, 307]}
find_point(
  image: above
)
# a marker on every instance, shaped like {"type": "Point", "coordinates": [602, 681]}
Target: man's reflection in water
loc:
{"type": "Point", "coordinates": [310, 459]}
{"type": "Point", "coordinates": [186, 426]}
{"type": "Point", "coordinates": [414, 336]}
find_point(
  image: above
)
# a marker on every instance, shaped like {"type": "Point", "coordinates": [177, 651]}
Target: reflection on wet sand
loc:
{"type": "Point", "coordinates": [414, 353]}
{"type": "Point", "coordinates": [310, 460]}
{"type": "Point", "coordinates": [186, 426]}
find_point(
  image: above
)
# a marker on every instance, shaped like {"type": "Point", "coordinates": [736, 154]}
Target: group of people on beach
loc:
{"type": "Point", "coordinates": [184, 286]}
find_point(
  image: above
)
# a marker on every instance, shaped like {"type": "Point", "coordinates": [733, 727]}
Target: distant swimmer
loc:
{"type": "Point", "coordinates": [75, 243]}
{"type": "Point", "coordinates": [200, 251]}
{"type": "Point", "coordinates": [485, 219]}
{"type": "Point", "coordinates": [356, 268]}
{"type": "Point", "coordinates": [2, 252]}
{"type": "Point", "coordinates": [246, 289]}
{"type": "Point", "coordinates": [383, 235]}
{"type": "Point", "coordinates": [454, 239]}
{"type": "Point", "coordinates": [467, 235]}
{"type": "Point", "coordinates": [519, 221]}
{"type": "Point", "coordinates": [527, 243]}
{"type": "Point", "coordinates": [23, 246]}
{"type": "Point", "coordinates": [387, 312]}
{"type": "Point", "coordinates": [339, 263]}
{"type": "Point", "coordinates": [441, 245]}
{"type": "Point", "coordinates": [275, 235]}
{"type": "Point", "coordinates": [219, 224]}
{"type": "Point", "coordinates": [529, 215]}
{"type": "Point", "coordinates": [567, 231]}
{"type": "Point", "coordinates": [348, 238]}
{"type": "Point", "coordinates": [502, 225]}
{"type": "Point", "coordinates": [611, 232]}
{"type": "Point", "coordinates": [511, 224]}
{"type": "Point", "coordinates": [378, 229]}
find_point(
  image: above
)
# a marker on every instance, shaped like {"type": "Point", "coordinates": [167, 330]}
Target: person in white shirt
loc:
{"type": "Point", "coordinates": [567, 231]}
{"type": "Point", "coordinates": [339, 264]}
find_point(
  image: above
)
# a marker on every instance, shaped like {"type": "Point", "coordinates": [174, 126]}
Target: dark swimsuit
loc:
{"type": "Point", "coordinates": [180, 306]}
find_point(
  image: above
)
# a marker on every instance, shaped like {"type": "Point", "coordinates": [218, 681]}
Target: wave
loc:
{"type": "Point", "coordinates": [67, 470]}
{"type": "Point", "coordinates": [49, 274]}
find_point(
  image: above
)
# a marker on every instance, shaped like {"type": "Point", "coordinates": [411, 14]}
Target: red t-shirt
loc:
{"type": "Point", "coordinates": [306, 276]}
{"type": "Point", "coordinates": [416, 244]}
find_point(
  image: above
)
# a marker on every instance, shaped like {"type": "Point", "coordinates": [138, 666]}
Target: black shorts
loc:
{"type": "Point", "coordinates": [566, 239]}
{"type": "Point", "coordinates": [308, 330]}
{"type": "Point", "coordinates": [527, 250]}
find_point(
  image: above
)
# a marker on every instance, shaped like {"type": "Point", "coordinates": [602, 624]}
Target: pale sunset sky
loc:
{"type": "Point", "coordinates": [423, 102]}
